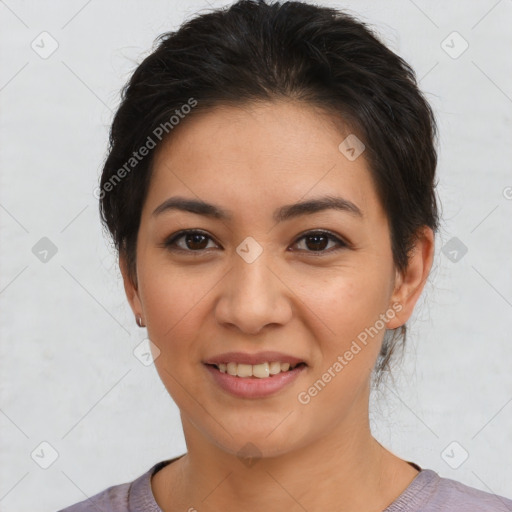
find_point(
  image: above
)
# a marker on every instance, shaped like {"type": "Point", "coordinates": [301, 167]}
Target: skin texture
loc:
{"type": "Point", "coordinates": [252, 160]}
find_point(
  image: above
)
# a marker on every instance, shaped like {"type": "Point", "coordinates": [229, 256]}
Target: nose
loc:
{"type": "Point", "coordinates": [253, 296]}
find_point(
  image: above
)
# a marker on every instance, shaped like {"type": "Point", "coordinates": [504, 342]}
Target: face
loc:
{"type": "Point", "coordinates": [309, 283]}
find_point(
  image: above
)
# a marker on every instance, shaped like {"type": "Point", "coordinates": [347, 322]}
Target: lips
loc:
{"type": "Point", "coordinates": [254, 387]}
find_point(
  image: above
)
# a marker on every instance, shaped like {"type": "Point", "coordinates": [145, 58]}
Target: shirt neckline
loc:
{"type": "Point", "coordinates": [141, 495]}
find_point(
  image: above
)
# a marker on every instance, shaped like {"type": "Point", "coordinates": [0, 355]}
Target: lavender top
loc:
{"type": "Point", "coordinates": [428, 492]}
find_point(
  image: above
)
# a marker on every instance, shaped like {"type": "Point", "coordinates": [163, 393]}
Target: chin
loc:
{"type": "Point", "coordinates": [260, 444]}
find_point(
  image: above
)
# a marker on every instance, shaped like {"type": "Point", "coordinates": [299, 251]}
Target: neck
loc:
{"type": "Point", "coordinates": [346, 470]}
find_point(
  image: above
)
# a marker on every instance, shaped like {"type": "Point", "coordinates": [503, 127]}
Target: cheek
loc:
{"type": "Point", "coordinates": [173, 306]}
{"type": "Point", "coordinates": [348, 300]}
{"type": "Point", "coordinates": [171, 303]}
{"type": "Point", "coordinates": [349, 305]}
{"type": "Point", "coordinates": [170, 296]}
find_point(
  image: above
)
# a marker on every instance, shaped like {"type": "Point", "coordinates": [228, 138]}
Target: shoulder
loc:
{"type": "Point", "coordinates": [113, 499]}
{"type": "Point", "coordinates": [450, 495]}
{"type": "Point", "coordinates": [125, 497]}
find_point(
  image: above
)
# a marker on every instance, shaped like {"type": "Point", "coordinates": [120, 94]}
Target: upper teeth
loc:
{"type": "Point", "coordinates": [257, 370]}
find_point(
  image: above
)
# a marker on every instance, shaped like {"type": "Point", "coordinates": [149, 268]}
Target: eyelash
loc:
{"type": "Point", "coordinates": [170, 242]}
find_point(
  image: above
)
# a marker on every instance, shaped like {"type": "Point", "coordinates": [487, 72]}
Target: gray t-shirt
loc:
{"type": "Point", "coordinates": [428, 492]}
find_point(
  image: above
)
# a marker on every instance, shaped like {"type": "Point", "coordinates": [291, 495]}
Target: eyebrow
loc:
{"type": "Point", "coordinates": [283, 213]}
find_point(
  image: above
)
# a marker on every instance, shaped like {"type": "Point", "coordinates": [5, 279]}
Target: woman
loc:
{"type": "Point", "coordinates": [270, 188]}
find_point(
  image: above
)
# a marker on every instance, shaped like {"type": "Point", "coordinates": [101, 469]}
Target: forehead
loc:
{"type": "Point", "coordinates": [252, 156]}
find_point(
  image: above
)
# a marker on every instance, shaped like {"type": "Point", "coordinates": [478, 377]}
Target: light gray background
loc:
{"type": "Point", "coordinates": [68, 373]}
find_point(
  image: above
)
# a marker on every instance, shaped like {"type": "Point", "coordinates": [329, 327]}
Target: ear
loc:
{"type": "Point", "coordinates": [130, 287]}
{"type": "Point", "coordinates": [410, 283]}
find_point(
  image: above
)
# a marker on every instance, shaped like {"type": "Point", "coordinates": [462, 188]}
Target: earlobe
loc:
{"type": "Point", "coordinates": [410, 283]}
{"type": "Point", "coordinates": [138, 319]}
{"type": "Point", "coordinates": [130, 288]}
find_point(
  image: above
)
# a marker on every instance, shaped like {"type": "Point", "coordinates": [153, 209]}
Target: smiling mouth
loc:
{"type": "Point", "coordinates": [256, 371]}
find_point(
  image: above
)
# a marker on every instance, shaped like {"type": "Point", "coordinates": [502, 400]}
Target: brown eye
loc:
{"type": "Point", "coordinates": [195, 241]}
{"type": "Point", "coordinates": [317, 241]}
{"type": "Point", "coordinates": [192, 241]}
